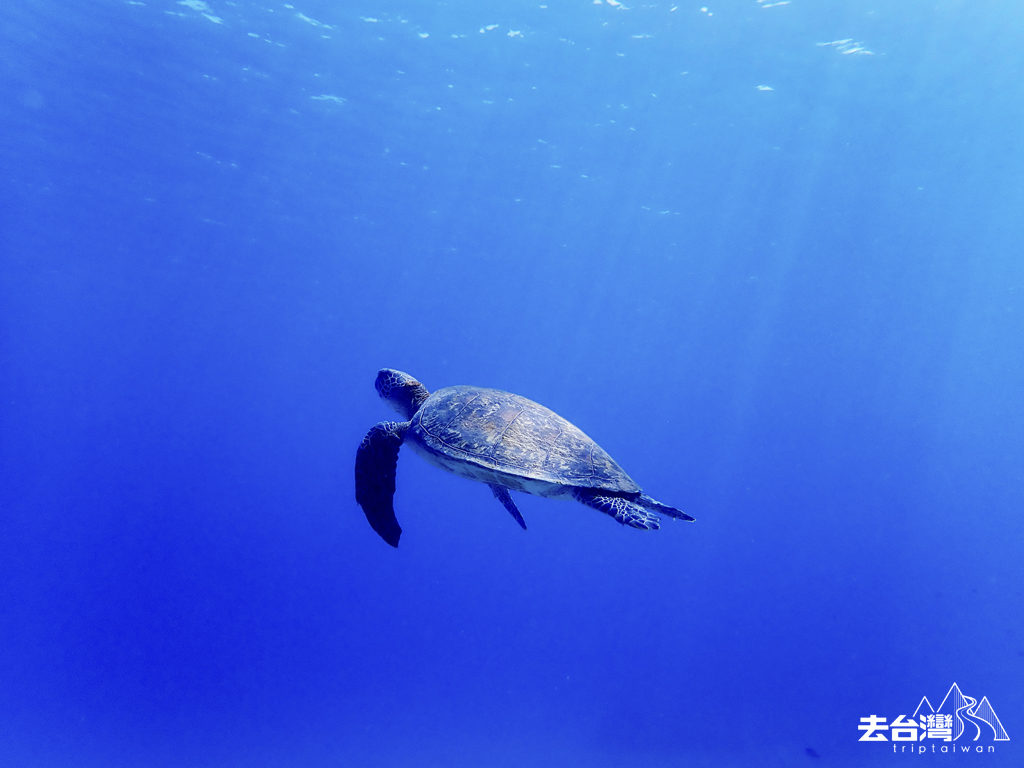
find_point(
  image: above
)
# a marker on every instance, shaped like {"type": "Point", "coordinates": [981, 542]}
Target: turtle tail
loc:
{"type": "Point", "coordinates": [664, 509]}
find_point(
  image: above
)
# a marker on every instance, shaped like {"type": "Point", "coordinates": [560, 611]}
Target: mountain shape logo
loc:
{"type": "Point", "coordinates": [971, 717]}
{"type": "Point", "coordinates": [924, 708]}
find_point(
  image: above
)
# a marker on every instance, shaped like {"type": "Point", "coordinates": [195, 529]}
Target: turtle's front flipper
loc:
{"type": "Point", "coordinates": [376, 461]}
{"type": "Point", "coordinates": [622, 509]}
{"type": "Point", "coordinates": [501, 494]}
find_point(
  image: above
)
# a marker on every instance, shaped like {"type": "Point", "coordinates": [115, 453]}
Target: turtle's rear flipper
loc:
{"type": "Point", "coordinates": [665, 509]}
{"type": "Point", "coordinates": [501, 494]}
{"type": "Point", "coordinates": [622, 509]}
{"type": "Point", "coordinates": [376, 461]}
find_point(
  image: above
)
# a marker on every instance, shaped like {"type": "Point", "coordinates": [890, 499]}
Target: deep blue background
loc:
{"type": "Point", "coordinates": [796, 313]}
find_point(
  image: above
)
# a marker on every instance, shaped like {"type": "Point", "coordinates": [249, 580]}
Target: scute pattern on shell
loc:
{"type": "Point", "coordinates": [504, 431]}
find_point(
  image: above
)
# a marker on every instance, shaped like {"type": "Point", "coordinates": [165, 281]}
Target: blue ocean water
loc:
{"type": "Point", "coordinates": [766, 254]}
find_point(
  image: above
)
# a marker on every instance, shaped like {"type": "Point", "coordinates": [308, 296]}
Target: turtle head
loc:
{"type": "Point", "coordinates": [402, 391]}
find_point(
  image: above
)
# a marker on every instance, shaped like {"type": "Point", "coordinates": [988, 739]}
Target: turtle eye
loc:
{"type": "Point", "coordinates": [385, 383]}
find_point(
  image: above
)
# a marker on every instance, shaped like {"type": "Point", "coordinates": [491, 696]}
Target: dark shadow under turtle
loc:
{"type": "Point", "coordinates": [501, 439]}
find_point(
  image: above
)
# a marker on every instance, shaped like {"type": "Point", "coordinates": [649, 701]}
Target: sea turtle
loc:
{"type": "Point", "coordinates": [501, 439]}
